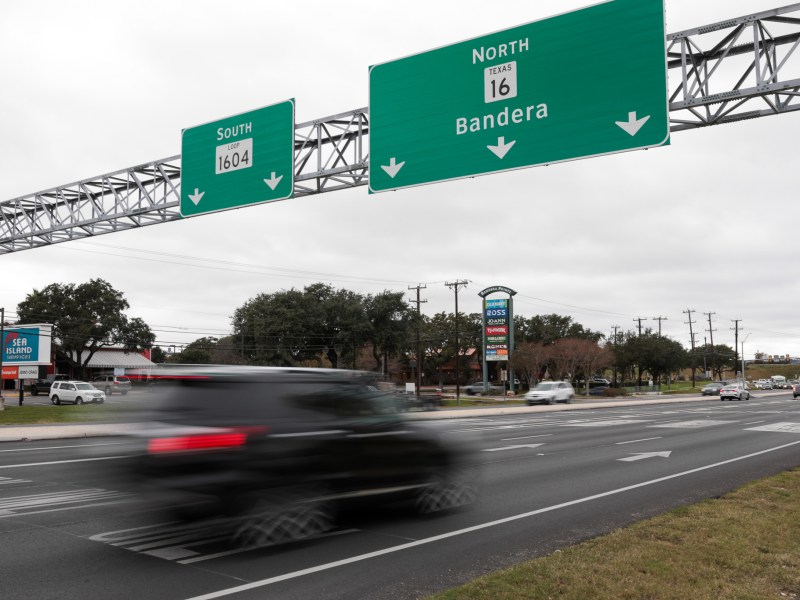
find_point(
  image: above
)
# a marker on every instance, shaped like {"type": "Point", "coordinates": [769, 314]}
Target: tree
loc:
{"type": "Point", "coordinates": [530, 359]}
{"type": "Point", "coordinates": [198, 352]}
{"type": "Point", "coordinates": [86, 318]}
{"type": "Point", "coordinates": [390, 320]}
{"type": "Point", "coordinates": [549, 328]}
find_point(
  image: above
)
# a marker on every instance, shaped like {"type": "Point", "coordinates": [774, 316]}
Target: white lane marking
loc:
{"type": "Point", "coordinates": [525, 437]}
{"type": "Point", "coordinates": [693, 424]}
{"type": "Point", "coordinates": [635, 441]}
{"type": "Point", "coordinates": [8, 480]}
{"type": "Point", "coordinates": [603, 423]}
{"type": "Point", "coordinates": [780, 427]}
{"type": "Point", "coordinates": [458, 532]}
{"type": "Point", "coordinates": [62, 447]}
{"type": "Point", "coordinates": [512, 447]}
{"type": "Point", "coordinates": [60, 462]}
{"type": "Point", "coordinates": [756, 422]}
{"type": "Point", "coordinates": [642, 455]}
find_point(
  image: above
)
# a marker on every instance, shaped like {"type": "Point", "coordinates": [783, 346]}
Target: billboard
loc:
{"type": "Point", "coordinates": [27, 345]}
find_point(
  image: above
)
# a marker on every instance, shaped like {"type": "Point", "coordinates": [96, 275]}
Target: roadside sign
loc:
{"type": "Point", "coordinates": [26, 345]}
{"type": "Point", "coordinates": [238, 161]}
{"type": "Point", "coordinates": [581, 84]}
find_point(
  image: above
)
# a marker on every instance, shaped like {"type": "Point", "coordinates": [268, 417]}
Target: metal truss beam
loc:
{"type": "Point", "coordinates": [737, 69]}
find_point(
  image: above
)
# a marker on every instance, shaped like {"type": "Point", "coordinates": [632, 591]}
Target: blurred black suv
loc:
{"type": "Point", "coordinates": [278, 450]}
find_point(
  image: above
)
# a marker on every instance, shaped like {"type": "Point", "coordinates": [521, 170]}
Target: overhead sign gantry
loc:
{"type": "Point", "coordinates": [584, 83]}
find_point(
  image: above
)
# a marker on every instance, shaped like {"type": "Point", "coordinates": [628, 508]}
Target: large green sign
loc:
{"type": "Point", "coordinates": [237, 161]}
{"type": "Point", "coordinates": [581, 84]}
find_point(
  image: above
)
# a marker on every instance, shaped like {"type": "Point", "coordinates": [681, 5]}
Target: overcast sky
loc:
{"type": "Point", "coordinates": [709, 223]}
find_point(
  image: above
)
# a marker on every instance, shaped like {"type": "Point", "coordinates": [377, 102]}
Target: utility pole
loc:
{"type": "Point", "coordinates": [659, 319]}
{"type": "Point", "coordinates": [616, 328]}
{"type": "Point", "coordinates": [711, 335]}
{"type": "Point", "coordinates": [418, 380]}
{"type": "Point", "coordinates": [689, 311]}
{"type": "Point", "coordinates": [640, 319]}
{"type": "Point", "coordinates": [455, 286]}
{"type": "Point", "coordinates": [736, 343]}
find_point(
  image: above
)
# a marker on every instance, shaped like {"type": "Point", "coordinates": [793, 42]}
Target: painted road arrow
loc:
{"type": "Point", "coordinates": [512, 447]}
{"type": "Point", "coordinates": [393, 167]}
{"type": "Point", "coordinates": [642, 455]}
{"type": "Point", "coordinates": [273, 181]}
{"type": "Point", "coordinates": [197, 196]}
{"type": "Point", "coordinates": [633, 125]}
{"type": "Point", "coordinates": [502, 148]}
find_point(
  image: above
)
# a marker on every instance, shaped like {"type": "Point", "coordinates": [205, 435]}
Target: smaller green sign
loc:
{"type": "Point", "coordinates": [237, 161]}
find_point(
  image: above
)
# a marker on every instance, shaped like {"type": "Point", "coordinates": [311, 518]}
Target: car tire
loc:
{"type": "Point", "coordinates": [107, 391]}
{"type": "Point", "coordinates": [569, 399]}
{"type": "Point", "coordinates": [281, 517]}
{"type": "Point", "coordinates": [124, 393]}
{"type": "Point", "coordinates": [447, 490]}
{"type": "Point", "coordinates": [34, 391]}
{"type": "Point", "coordinates": [55, 400]}
{"type": "Point", "coordinates": [78, 400]}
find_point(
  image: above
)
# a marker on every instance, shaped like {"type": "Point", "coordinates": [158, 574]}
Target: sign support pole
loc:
{"type": "Point", "coordinates": [2, 349]}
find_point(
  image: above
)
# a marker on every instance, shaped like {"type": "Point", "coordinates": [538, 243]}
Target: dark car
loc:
{"type": "Point", "coordinates": [40, 386]}
{"type": "Point", "coordinates": [599, 390]}
{"type": "Point", "coordinates": [713, 388]}
{"type": "Point", "coordinates": [279, 450]}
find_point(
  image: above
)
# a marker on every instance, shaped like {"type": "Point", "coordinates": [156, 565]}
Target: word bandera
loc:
{"type": "Point", "coordinates": [501, 119]}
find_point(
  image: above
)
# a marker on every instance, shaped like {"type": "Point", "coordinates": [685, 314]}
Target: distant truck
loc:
{"type": "Point", "coordinates": [778, 381]}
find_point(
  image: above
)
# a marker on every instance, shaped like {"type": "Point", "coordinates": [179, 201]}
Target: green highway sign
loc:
{"type": "Point", "coordinates": [237, 161]}
{"type": "Point", "coordinates": [584, 83]}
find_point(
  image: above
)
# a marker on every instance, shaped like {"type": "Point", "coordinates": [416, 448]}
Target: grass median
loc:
{"type": "Point", "coordinates": [51, 415]}
{"type": "Point", "coordinates": [744, 545]}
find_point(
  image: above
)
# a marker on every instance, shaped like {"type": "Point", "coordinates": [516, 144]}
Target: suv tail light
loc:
{"type": "Point", "coordinates": [193, 443]}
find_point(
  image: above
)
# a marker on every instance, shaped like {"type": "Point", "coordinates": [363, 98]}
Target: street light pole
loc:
{"type": "Point", "coordinates": [744, 377]}
{"type": "Point", "coordinates": [456, 285]}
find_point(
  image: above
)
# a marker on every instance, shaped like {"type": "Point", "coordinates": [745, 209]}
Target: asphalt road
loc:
{"type": "Point", "coordinates": [71, 527]}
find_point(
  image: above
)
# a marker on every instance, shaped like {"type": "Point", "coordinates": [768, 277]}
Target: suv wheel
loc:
{"type": "Point", "coordinates": [55, 400]}
{"type": "Point", "coordinates": [286, 517]}
{"type": "Point", "coordinates": [448, 490]}
{"type": "Point", "coordinates": [107, 391]}
{"type": "Point", "coordinates": [78, 400]}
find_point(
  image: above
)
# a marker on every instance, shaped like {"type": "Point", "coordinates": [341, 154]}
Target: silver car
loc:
{"type": "Point", "coordinates": [734, 391]}
{"type": "Point", "coordinates": [550, 392]}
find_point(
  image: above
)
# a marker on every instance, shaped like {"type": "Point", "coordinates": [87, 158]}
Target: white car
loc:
{"type": "Point", "coordinates": [76, 392]}
{"type": "Point", "coordinates": [734, 391]}
{"type": "Point", "coordinates": [550, 392]}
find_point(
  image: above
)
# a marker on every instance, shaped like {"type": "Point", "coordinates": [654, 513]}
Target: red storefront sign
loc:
{"type": "Point", "coordinates": [10, 372]}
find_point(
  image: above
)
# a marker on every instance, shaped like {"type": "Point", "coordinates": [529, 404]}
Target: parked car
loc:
{"type": "Point", "coordinates": [599, 390]}
{"type": "Point", "coordinates": [713, 388]}
{"type": "Point", "coordinates": [76, 392]}
{"type": "Point", "coordinates": [476, 389]}
{"type": "Point", "coordinates": [40, 386]}
{"type": "Point", "coordinates": [550, 392]}
{"type": "Point", "coordinates": [734, 391]}
{"type": "Point", "coordinates": [278, 450]}
{"type": "Point", "coordinates": [113, 384]}
{"type": "Point", "coordinates": [600, 380]}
